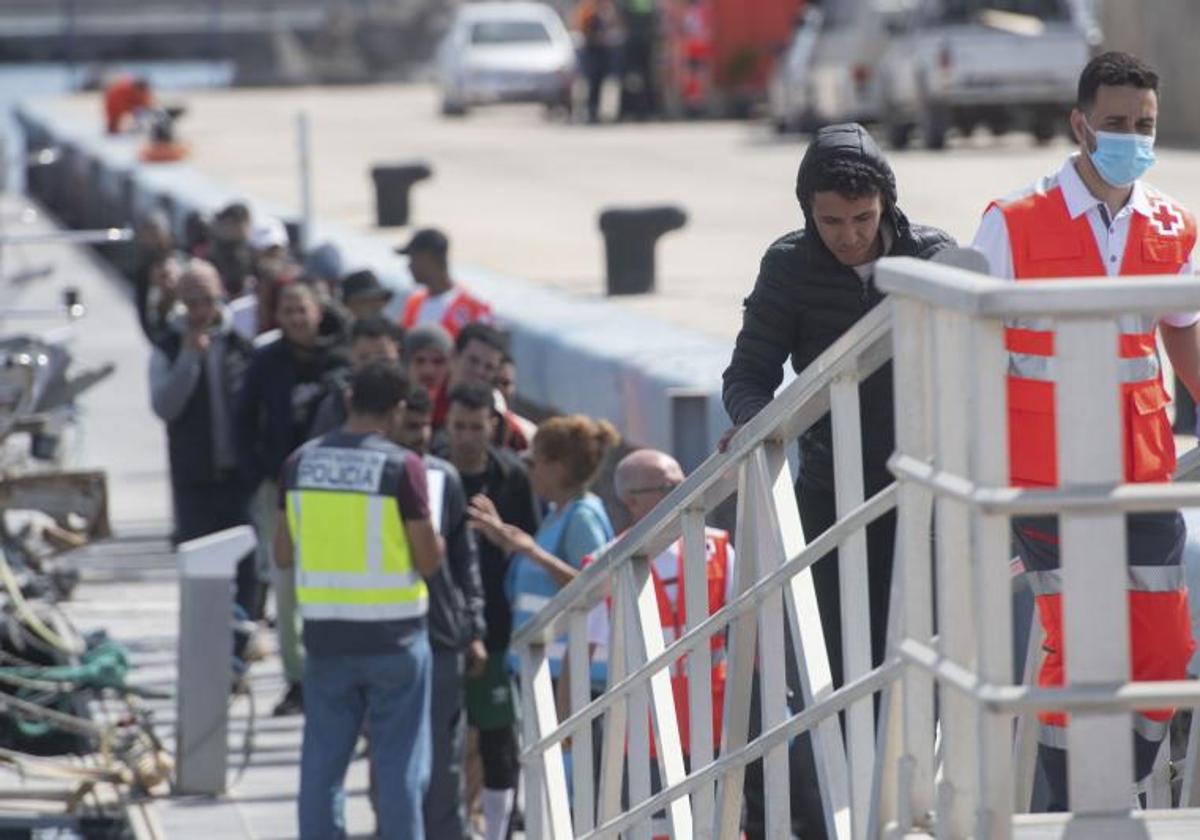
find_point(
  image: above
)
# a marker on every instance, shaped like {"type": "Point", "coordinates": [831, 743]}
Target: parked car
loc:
{"type": "Point", "coordinates": [506, 52]}
{"type": "Point", "coordinates": [829, 73]}
{"type": "Point", "coordinates": [1006, 64]}
{"type": "Point", "coordinates": [787, 93]}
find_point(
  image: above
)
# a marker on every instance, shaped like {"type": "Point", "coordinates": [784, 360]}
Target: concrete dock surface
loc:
{"type": "Point", "coordinates": [130, 585]}
{"type": "Point", "coordinates": [520, 193]}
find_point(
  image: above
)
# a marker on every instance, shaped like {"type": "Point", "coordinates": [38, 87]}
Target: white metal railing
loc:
{"type": "Point", "coordinates": [773, 585]}
{"type": "Point", "coordinates": [903, 770]}
{"type": "Point", "coordinates": [952, 455]}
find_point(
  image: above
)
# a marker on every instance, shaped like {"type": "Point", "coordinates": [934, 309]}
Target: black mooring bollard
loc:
{"type": "Point", "coordinates": [630, 236]}
{"type": "Point", "coordinates": [392, 185]}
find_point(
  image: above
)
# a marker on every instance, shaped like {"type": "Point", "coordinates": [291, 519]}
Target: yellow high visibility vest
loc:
{"type": "Point", "coordinates": [352, 559]}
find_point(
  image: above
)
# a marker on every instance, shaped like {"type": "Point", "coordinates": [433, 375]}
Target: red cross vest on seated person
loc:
{"type": "Point", "coordinates": [458, 308]}
{"type": "Point", "coordinates": [1050, 235]}
{"type": "Point", "coordinates": [667, 574]}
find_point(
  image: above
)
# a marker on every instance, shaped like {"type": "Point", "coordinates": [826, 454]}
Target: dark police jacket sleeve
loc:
{"type": "Point", "coordinates": [462, 550]}
{"type": "Point", "coordinates": [456, 591]}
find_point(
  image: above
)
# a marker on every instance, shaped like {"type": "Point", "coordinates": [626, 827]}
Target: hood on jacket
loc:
{"type": "Point", "coordinates": [852, 142]}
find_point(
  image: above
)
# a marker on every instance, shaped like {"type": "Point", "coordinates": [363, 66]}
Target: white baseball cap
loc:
{"type": "Point", "coordinates": [268, 233]}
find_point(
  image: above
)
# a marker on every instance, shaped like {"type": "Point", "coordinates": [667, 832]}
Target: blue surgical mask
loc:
{"type": "Point", "coordinates": [1121, 158]}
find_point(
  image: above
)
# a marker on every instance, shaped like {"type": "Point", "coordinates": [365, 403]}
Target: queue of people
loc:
{"type": "Point", "coordinates": [363, 451]}
{"type": "Point", "coordinates": [270, 370]}
{"type": "Point", "coordinates": [413, 522]}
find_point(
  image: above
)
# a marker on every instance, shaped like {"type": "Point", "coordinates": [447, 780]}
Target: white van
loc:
{"type": "Point", "coordinates": [830, 73]}
{"type": "Point", "coordinates": [1006, 64]}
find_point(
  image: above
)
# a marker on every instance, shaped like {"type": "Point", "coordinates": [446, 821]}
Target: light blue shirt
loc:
{"type": "Point", "coordinates": [569, 533]}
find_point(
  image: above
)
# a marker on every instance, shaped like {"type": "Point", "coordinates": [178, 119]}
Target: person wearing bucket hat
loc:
{"type": "Point", "coordinates": [439, 300]}
{"type": "Point", "coordinates": [363, 294]}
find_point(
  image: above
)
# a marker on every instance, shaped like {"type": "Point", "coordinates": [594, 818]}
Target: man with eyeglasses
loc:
{"type": "Point", "coordinates": [642, 479]}
{"type": "Point", "coordinates": [196, 371]}
{"type": "Point", "coordinates": [1096, 218]}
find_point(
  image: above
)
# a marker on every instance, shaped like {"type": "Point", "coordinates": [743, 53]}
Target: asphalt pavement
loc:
{"type": "Point", "coordinates": [520, 194]}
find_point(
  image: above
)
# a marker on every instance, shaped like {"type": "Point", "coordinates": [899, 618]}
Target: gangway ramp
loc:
{"type": "Point", "coordinates": [948, 770]}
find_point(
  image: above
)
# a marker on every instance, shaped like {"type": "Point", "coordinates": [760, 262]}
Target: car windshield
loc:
{"type": "Point", "coordinates": [496, 32]}
{"type": "Point", "coordinates": [961, 11]}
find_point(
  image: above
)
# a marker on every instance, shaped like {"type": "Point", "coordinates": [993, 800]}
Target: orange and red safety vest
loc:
{"type": "Point", "coordinates": [462, 309]}
{"type": "Point", "coordinates": [673, 617]}
{"type": "Point", "coordinates": [1046, 242]}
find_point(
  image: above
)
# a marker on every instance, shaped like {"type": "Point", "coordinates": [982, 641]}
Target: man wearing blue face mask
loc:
{"type": "Point", "coordinates": [1096, 218]}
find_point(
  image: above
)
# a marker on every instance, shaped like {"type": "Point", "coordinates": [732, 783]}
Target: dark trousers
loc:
{"type": "Point", "coordinates": [808, 817]}
{"type": "Point", "coordinates": [445, 799]}
{"type": "Point", "coordinates": [206, 508]}
{"type": "Point", "coordinates": [818, 511]}
{"type": "Point", "coordinates": [500, 756]}
{"type": "Point", "coordinates": [1151, 540]}
{"type": "Point", "coordinates": [638, 94]}
{"type": "Point", "coordinates": [1053, 762]}
{"type": "Point", "coordinates": [596, 68]}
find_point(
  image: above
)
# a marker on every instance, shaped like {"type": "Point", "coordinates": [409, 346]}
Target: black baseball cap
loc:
{"type": "Point", "coordinates": [428, 240]}
{"type": "Point", "coordinates": [364, 284]}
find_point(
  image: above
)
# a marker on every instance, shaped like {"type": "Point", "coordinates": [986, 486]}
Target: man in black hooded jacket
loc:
{"type": "Point", "coordinates": [813, 286]}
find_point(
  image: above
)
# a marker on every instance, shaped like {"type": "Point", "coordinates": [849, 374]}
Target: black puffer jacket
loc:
{"type": "Point", "coordinates": [804, 300]}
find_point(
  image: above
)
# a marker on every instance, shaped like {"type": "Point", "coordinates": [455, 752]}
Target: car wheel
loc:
{"type": "Point", "coordinates": [1044, 129]}
{"type": "Point", "coordinates": [899, 134]}
{"type": "Point", "coordinates": [935, 125]}
{"type": "Point", "coordinates": [560, 105]}
{"type": "Point", "coordinates": [450, 108]}
{"type": "Point", "coordinates": [999, 126]}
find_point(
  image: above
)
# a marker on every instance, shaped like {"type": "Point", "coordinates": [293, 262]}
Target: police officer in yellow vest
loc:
{"type": "Point", "coordinates": [358, 534]}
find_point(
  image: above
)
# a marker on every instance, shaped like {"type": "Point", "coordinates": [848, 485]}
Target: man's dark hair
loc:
{"type": "Point", "coordinates": [485, 333]}
{"type": "Point", "coordinates": [845, 159]}
{"type": "Point", "coordinates": [847, 177]}
{"type": "Point", "coordinates": [419, 401]}
{"type": "Point", "coordinates": [473, 396]}
{"type": "Point", "coordinates": [235, 212]}
{"type": "Point", "coordinates": [375, 326]}
{"type": "Point", "coordinates": [377, 388]}
{"type": "Point", "coordinates": [197, 229]}
{"type": "Point", "coordinates": [1113, 69]}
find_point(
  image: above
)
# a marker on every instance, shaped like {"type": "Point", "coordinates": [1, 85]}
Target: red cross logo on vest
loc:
{"type": "Point", "coordinates": [1166, 220]}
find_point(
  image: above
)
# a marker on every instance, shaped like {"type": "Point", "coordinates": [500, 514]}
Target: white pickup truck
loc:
{"type": "Point", "coordinates": [1006, 64]}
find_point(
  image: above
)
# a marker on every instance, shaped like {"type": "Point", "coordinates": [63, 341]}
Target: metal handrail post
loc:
{"type": "Point", "coordinates": [206, 569]}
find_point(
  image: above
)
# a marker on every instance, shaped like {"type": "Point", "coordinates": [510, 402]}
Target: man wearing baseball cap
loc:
{"type": "Point", "coordinates": [364, 295]}
{"type": "Point", "coordinates": [439, 300]}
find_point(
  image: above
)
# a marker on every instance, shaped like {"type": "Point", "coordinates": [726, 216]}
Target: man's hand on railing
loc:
{"type": "Point", "coordinates": [727, 438]}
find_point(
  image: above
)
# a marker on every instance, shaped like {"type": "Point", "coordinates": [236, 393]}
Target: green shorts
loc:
{"type": "Point", "coordinates": [491, 698]}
